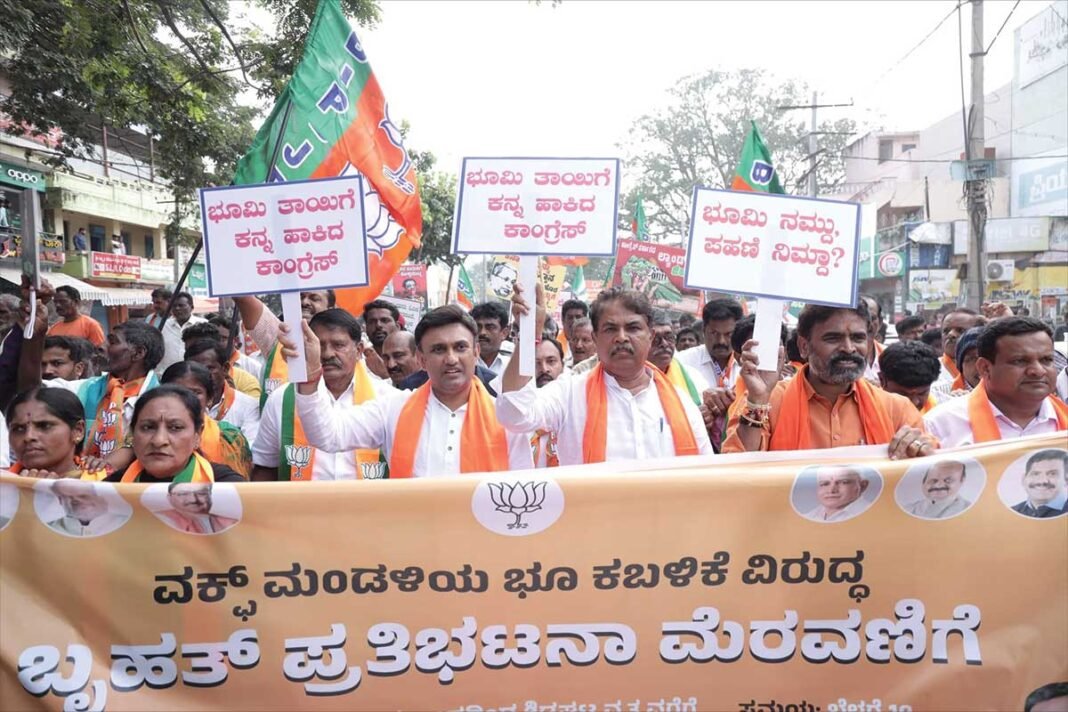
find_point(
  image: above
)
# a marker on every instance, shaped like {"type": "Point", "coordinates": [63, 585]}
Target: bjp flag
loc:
{"type": "Point", "coordinates": [333, 120]}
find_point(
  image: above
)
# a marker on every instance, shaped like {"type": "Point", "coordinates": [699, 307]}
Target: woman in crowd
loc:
{"type": "Point", "coordinates": [219, 442]}
{"type": "Point", "coordinates": [167, 425]}
{"type": "Point", "coordinates": [46, 427]}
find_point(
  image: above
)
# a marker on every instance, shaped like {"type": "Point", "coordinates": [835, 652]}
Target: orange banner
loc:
{"type": "Point", "coordinates": [819, 581]}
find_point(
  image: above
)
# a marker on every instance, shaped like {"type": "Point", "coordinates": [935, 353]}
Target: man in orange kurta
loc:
{"type": "Point", "coordinates": [828, 403]}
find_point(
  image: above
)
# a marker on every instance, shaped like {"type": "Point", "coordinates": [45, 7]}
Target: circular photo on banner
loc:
{"type": "Point", "coordinates": [9, 504]}
{"type": "Point", "coordinates": [80, 509]}
{"type": "Point", "coordinates": [835, 493]}
{"type": "Point", "coordinates": [194, 507]}
{"type": "Point", "coordinates": [942, 489]}
{"type": "Point", "coordinates": [1035, 484]}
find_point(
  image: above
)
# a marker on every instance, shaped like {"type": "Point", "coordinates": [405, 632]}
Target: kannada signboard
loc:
{"type": "Point", "coordinates": [410, 283]}
{"type": "Point", "coordinates": [771, 245]}
{"type": "Point", "coordinates": [411, 310]}
{"type": "Point", "coordinates": [284, 237]}
{"type": "Point", "coordinates": [105, 265]}
{"type": "Point", "coordinates": [657, 271]}
{"type": "Point", "coordinates": [681, 585]}
{"type": "Point", "coordinates": [537, 206]}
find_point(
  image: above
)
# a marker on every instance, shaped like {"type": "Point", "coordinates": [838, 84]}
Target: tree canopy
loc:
{"type": "Point", "coordinates": [696, 137]}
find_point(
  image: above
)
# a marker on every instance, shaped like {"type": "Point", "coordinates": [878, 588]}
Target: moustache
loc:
{"type": "Point", "coordinates": [331, 362]}
{"type": "Point", "coordinates": [622, 348]}
{"type": "Point", "coordinates": [543, 379]}
{"type": "Point", "coordinates": [1042, 485]}
{"type": "Point", "coordinates": [939, 489]}
{"type": "Point", "coordinates": [851, 360]}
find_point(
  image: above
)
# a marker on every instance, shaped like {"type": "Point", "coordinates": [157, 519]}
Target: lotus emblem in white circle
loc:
{"type": "Point", "coordinates": [518, 507]}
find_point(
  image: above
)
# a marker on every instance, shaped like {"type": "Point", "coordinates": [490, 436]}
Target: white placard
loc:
{"type": "Point", "coordinates": [528, 279]}
{"type": "Point", "coordinates": [537, 206]}
{"type": "Point", "coordinates": [297, 366]}
{"type": "Point", "coordinates": [770, 245]}
{"type": "Point", "coordinates": [284, 237]}
{"type": "Point", "coordinates": [767, 331]}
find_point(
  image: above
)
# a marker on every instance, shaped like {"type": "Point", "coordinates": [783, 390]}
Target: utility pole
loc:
{"type": "Point", "coordinates": [813, 186]}
{"type": "Point", "coordinates": [975, 150]}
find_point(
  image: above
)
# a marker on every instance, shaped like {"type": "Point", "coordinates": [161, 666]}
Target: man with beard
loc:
{"type": "Point", "coordinates": [1015, 396]}
{"type": "Point", "coordinates": [954, 324]}
{"type": "Point", "coordinates": [941, 491]}
{"type": "Point", "coordinates": [9, 312]}
{"type": "Point", "coordinates": [548, 366]}
{"type": "Point", "coordinates": [72, 322]}
{"type": "Point", "coordinates": [715, 360]}
{"type": "Point", "coordinates": [263, 328]}
{"type": "Point", "coordinates": [492, 321]}
{"type": "Point", "coordinates": [161, 298]}
{"type": "Point", "coordinates": [445, 427]}
{"type": "Point", "coordinates": [662, 355]}
{"type": "Point", "coordinates": [828, 403]}
{"type": "Point", "coordinates": [284, 448]}
{"type": "Point", "coordinates": [381, 319]}
{"type": "Point", "coordinates": [1043, 480]}
{"type": "Point", "coordinates": [191, 509]}
{"type": "Point", "coordinates": [398, 355]}
{"type": "Point", "coordinates": [622, 409]}
{"type": "Point", "coordinates": [65, 357]}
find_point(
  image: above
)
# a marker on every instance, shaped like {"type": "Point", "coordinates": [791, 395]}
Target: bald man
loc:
{"type": "Point", "coordinates": [398, 354]}
{"type": "Point", "coordinates": [840, 492]}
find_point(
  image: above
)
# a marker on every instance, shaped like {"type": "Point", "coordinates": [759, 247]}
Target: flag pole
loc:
{"type": "Point", "coordinates": [200, 242]}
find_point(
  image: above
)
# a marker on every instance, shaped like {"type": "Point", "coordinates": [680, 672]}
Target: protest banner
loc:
{"type": "Point", "coordinates": [504, 271]}
{"type": "Point", "coordinates": [657, 271]}
{"type": "Point", "coordinates": [537, 206]}
{"type": "Point", "coordinates": [774, 245]}
{"type": "Point", "coordinates": [291, 237]}
{"type": "Point", "coordinates": [410, 309]}
{"type": "Point", "coordinates": [686, 584]}
{"type": "Point", "coordinates": [410, 283]}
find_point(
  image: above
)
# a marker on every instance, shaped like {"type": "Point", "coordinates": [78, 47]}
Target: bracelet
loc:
{"type": "Point", "coordinates": [757, 407]}
{"type": "Point", "coordinates": [759, 424]}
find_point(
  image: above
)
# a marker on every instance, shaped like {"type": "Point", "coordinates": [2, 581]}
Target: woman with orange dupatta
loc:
{"type": "Point", "coordinates": [219, 442]}
{"type": "Point", "coordinates": [46, 428]}
{"type": "Point", "coordinates": [167, 425]}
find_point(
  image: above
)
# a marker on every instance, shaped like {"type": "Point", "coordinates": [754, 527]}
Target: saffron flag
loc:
{"type": "Point", "coordinates": [755, 171]}
{"type": "Point", "coordinates": [465, 290]}
{"type": "Point", "coordinates": [332, 120]}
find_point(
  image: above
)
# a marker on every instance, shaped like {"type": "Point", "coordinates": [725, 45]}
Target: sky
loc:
{"type": "Point", "coordinates": [518, 78]}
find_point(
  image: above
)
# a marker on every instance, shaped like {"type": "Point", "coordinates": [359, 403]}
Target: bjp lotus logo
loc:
{"type": "Point", "coordinates": [374, 470]}
{"type": "Point", "coordinates": [517, 508]}
{"type": "Point", "coordinates": [104, 446]}
{"type": "Point", "coordinates": [299, 457]}
{"type": "Point", "coordinates": [108, 418]}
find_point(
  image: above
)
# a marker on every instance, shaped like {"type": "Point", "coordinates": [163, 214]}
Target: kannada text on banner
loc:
{"type": "Point", "coordinates": [537, 206]}
{"type": "Point", "coordinates": [690, 584]}
{"type": "Point", "coordinates": [771, 245]}
{"type": "Point", "coordinates": [284, 237]}
{"type": "Point", "coordinates": [657, 272]}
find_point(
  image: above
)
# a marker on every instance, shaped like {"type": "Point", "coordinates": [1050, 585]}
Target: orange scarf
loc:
{"type": "Point", "coordinates": [950, 365]}
{"type": "Point", "coordinates": [721, 379]}
{"type": "Point", "coordinates": [981, 415]}
{"type": "Point", "coordinates": [792, 431]}
{"type": "Point", "coordinates": [200, 472]}
{"type": "Point", "coordinates": [551, 458]}
{"type": "Point", "coordinates": [229, 395]}
{"type": "Point", "coordinates": [595, 436]}
{"type": "Point", "coordinates": [230, 451]}
{"type": "Point", "coordinates": [958, 383]}
{"type": "Point", "coordinates": [741, 396]}
{"type": "Point", "coordinates": [931, 403]}
{"type": "Point", "coordinates": [483, 444]}
{"type": "Point", "coordinates": [109, 432]}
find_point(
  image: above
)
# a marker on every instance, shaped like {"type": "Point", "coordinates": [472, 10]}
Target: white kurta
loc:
{"type": "Point", "coordinates": [637, 425]}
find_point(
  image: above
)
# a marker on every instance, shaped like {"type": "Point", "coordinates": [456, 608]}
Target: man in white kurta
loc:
{"type": "Point", "coordinates": [447, 347]}
{"type": "Point", "coordinates": [638, 425]}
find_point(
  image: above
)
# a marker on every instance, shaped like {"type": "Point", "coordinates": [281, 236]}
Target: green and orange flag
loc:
{"type": "Point", "coordinates": [332, 120]}
{"type": "Point", "coordinates": [465, 290]}
{"type": "Point", "coordinates": [755, 171]}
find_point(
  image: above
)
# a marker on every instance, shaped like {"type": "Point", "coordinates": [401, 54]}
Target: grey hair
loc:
{"type": "Point", "coordinates": [11, 301]}
{"type": "Point", "coordinates": [661, 318]}
{"type": "Point", "coordinates": [581, 321]}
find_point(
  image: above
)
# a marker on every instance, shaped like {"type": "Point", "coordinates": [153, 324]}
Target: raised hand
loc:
{"type": "Point", "coordinates": [758, 383]}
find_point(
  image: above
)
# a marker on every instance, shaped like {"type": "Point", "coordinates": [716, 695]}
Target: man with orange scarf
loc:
{"type": "Point", "coordinates": [447, 426]}
{"type": "Point", "coordinates": [828, 403]}
{"type": "Point", "coordinates": [1015, 396]}
{"type": "Point", "coordinates": [284, 449]}
{"type": "Point", "coordinates": [622, 409]}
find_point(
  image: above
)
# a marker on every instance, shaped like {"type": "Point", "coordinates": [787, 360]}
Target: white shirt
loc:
{"type": "Point", "coordinates": [243, 414]}
{"type": "Point", "coordinates": [1062, 385]}
{"type": "Point", "coordinates": [637, 425]}
{"type": "Point", "coordinates": [374, 425]}
{"type": "Point", "coordinates": [853, 509]}
{"type": "Point", "coordinates": [698, 359]}
{"type": "Point", "coordinates": [330, 464]}
{"type": "Point", "coordinates": [251, 365]}
{"type": "Point", "coordinates": [173, 346]}
{"type": "Point", "coordinates": [950, 424]}
{"type": "Point", "coordinates": [939, 509]}
{"type": "Point", "coordinates": [499, 364]}
{"type": "Point", "coordinates": [5, 456]}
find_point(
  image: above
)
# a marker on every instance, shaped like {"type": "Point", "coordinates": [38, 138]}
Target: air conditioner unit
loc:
{"type": "Point", "coordinates": [1000, 270]}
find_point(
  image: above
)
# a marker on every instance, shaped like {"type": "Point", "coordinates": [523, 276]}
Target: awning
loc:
{"type": "Point", "coordinates": [125, 297]}
{"type": "Point", "coordinates": [58, 279]}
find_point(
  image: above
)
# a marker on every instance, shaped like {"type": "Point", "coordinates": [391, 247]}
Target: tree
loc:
{"type": "Point", "coordinates": [170, 69]}
{"type": "Point", "coordinates": [697, 137]}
